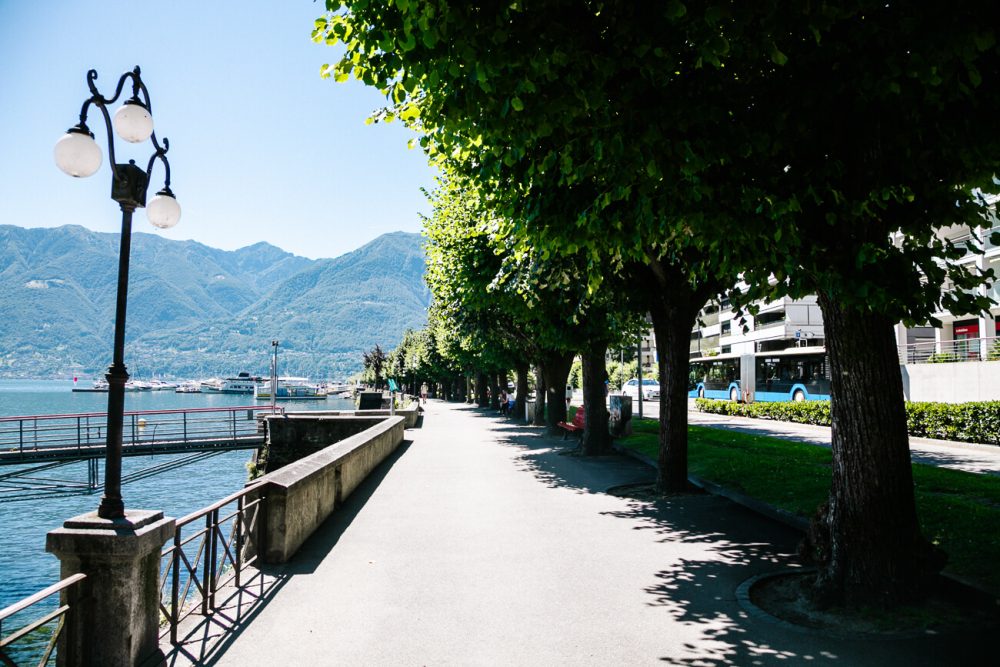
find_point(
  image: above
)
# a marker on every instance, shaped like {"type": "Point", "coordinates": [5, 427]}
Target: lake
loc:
{"type": "Point", "coordinates": [25, 566]}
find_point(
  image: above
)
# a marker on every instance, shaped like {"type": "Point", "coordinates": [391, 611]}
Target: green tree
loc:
{"type": "Point", "coordinates": [684, 144]}
{"type": "Point", "coordinates": [375, 361]}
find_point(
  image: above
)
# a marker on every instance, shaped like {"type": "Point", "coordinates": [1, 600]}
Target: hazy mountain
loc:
{"type": "Point", "coordinates": [195, 310]}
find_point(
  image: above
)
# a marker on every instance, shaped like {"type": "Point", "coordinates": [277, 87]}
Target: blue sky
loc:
{"type": "Point", "coordinates": [261, 148]}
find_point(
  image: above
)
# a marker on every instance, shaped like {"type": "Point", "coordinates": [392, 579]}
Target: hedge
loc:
{"type": "Point", "coordinates": [962, 422]}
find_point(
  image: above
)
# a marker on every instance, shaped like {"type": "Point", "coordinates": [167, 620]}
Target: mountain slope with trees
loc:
{"type": "Point", "coordinates": [195, 310]}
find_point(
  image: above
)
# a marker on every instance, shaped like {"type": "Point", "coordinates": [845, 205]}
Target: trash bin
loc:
{"type": "Point", "coordinates": [620, 416]}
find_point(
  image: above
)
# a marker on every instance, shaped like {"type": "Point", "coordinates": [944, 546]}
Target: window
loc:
{"type": "Point", "coordinates": [727, 327]}
{"type": "Point", "coordinates": [769, 319]}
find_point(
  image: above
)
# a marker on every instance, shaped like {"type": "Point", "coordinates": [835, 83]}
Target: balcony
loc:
{"type": "Point", "coordinates": [950, 351]}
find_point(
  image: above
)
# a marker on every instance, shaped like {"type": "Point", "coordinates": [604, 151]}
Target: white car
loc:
{"type": "Point", "coordinates": [650, 389]}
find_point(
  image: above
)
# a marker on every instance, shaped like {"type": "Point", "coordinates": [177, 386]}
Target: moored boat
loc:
{"type": "Point", "coordinates": [289, 389]}
{"type": "Point", "coordinates": [243, 383]}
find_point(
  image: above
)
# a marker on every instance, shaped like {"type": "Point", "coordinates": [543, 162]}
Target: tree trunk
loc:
{"type": "Point", "coordinates": [673, 307]}
{"type": "Point", "coordinates": [521, 369]}
{"type": "Point", "coordinates": [555, 369]}
{"type": "Point", "coordinates": [539, 419]}
{"type": "Point", "coordinates": [481, 399]}
{"type": "Point", "coordinates": [495, 393]}
{"type": "Point", "coordinates": [868, 543]}
{"type": "Point", "coordinates": [596, 438]}
{"type": "Point", "coordinates": [503, 380]}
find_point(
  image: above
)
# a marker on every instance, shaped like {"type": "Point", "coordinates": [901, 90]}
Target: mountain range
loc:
{"type": "Point", "coordinates": [196, 311]}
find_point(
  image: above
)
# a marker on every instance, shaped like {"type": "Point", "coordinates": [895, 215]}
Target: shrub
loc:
{"type": "Point", "coordinates": [963, 422]}
{"type": "Point", "coordinates": [805, 412]}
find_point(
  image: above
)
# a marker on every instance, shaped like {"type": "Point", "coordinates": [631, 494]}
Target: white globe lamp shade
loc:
{"type": "Point", "coordinates": [133, 122]}
{"type": "Point", "coordinates": [163, 210]}
{"type": "Point", "coordinates": [77, 154]}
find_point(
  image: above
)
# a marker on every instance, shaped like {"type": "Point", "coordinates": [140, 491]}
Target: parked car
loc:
{"type": "Point", "coordinates": [650, 389]}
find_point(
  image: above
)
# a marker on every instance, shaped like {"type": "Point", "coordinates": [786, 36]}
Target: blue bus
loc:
{"type": "Point", "coordinates": [795, 374]}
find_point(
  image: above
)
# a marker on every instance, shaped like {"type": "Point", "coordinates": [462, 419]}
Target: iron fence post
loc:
{"type": "Point", "coordinates": [240, 508]}
{"type": "Point", "coordinates": [175, 586]}
{"type": "Point", "coordinates": [205, 581]}
{"type": "Point", "coordinates": [214, 514]}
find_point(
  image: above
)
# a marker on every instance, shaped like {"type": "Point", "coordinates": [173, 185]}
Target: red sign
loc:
{"type": "Point", "coordinates": [967, 330]}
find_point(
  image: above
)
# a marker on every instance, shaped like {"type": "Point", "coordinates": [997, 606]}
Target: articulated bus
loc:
{"type": "Point", "coordinates": [795, 374]}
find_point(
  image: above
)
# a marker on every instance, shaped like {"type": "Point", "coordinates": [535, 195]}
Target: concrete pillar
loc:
{"type": "Point", "coordinates": [902, 339]}
{"type": "Point", "coordinates": [116, 616]}
{"type": "Point", "coordinates": [986, 324]}
{"type": "Point", "coordinates": [944, 334]}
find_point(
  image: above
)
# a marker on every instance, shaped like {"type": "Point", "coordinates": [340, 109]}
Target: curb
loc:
{"type": "Point", "coordinates": [956, 585]}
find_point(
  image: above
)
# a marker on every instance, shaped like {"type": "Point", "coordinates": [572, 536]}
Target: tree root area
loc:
{"type": "Point", "coordinates": [647, 492]}
{"type": "Point", "coordinates": [787, 597]}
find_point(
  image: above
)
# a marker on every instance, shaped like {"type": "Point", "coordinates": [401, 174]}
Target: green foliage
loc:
{"type": "Point", "coordinates": [576, 374]}
{"type": "Point", "coordinates": [964, 422]}
{"type": "Point", "coordinates": [375, 361]}
{"type": "Point", "coordinates": [805, 412]}
{"type": "Point", "coordinates": [943, 358]}
{"type": "Point", "coordinates": [618, 374]}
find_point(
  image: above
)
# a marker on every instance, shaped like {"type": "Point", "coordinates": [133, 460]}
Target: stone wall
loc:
{"type": "Point", "coordinates": [411, 414]}
{"type": "Point", "coordinates": [294, 436]}
{"type": "Point", "coordinates": [953, 382]}
{"type": "Point", "coordinates": [302, 494]}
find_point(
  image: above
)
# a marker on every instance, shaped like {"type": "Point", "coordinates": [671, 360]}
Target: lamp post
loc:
{"type": "Point", "coordinates": [78, 155]}
{"type": "Point", "coordinates": [274, 375]}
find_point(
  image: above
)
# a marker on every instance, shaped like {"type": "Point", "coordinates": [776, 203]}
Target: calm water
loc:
{"type": "Point", "coordinates": [25, 566]}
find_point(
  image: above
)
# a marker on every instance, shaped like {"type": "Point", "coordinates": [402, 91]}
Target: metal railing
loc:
{"type": "Point", "coordinates": [35, 641]}
{"type": "Point", "coordinates": [950, 351]}
{"type": "Point", "coordinates": [221, 541]}
{"type": "Point", "coordinates": [82, 435]}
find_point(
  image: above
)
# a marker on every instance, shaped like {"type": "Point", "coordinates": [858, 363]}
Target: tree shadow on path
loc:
{"type": "Point", "coordinates": [709, 547]}
{"type": "Point", "coordinates": [203, 640]}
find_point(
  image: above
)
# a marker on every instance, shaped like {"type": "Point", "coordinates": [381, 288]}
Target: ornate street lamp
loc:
{"type": "Point", "coordinates": [78, 155]}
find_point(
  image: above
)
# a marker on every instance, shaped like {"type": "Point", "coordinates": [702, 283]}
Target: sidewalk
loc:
{"type": "Point", "coordinates": [965, 456]}
{"type": "Point", "coordinates": [481, 543]}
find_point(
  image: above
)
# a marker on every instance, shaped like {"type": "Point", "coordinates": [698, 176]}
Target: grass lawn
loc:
{"type": "Point", "coordinates": [958, 511]}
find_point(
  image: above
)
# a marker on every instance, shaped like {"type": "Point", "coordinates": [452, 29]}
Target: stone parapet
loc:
{"type": "Point", "coordinates": [302, 494]}
{"type": "Point", "coordinates": [115, 619]}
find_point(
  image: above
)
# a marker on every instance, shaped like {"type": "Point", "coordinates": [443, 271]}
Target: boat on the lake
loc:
{"type": "Point", "coordinates": [243, 383]}
{"type": "Point", "coordinates": [289, 389]}
{"type": "Point", "coordinates": [98, 386]}
{"type": "Point", "coordinates": [188, 388]}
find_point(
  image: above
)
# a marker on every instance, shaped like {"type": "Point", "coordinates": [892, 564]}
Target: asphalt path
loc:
{"type": "Point", "coordinates": [483, 542]}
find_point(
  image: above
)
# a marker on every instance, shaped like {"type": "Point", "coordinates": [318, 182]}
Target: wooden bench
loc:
{"type": "Point", "coordinates": [577, 425]}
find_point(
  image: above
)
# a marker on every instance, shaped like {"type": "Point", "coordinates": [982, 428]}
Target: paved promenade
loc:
{"type": "Point", "coordinates": [482, 543]}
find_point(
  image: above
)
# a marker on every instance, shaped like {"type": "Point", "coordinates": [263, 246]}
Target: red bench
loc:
{"type": "Point", "coordinates": [577, 425]}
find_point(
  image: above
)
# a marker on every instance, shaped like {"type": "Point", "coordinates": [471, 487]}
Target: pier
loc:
{"type": "Point", "coordinates": [74, 437]}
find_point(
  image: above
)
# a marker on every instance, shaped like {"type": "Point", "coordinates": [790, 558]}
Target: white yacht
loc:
{"type": "Point", "coordinates": [289, 389]}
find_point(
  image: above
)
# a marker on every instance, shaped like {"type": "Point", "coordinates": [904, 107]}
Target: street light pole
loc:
{"type": "Point", "coordinates": [78, 155]}
{"type": "Point", "coordinates": [274, 375]}
{"type": "Point", "coordinates": [638, 366]}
